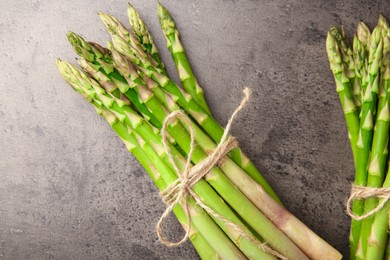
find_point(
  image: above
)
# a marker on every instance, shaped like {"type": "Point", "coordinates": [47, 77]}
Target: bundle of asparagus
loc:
{"type": "Point", "coordinates": [232, 212]}
{"type": "Point", "coordinates": [362, 74]}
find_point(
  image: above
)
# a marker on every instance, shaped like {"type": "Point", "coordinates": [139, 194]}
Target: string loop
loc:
{"type": "Point", "coordinates": [361, 192]}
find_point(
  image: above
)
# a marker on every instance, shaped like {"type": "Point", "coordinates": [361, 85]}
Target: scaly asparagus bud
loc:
{"type": "Point", "coordinates": [364, 35]}
{"type": "Point", "coordinates": [359, 55]}
{"type": "Point", "coordinates": [334, 54]}
{"type": "Point", "coordinates": [166, 21]}
{"type": "Point", "coordinates": [91, 52]}
{"type": "Point", "coordinates": [104, 81]}
{"type": "Point", "coordinates": [123, 47]}
{"type": "Point", "coordinates": [382, 22]}
{"type": "Point", "coordinates": [140, 29]}
{"type": "Point", "coordinates": [144, 37]}
{"type": "Point", "coordinates": [375, 52]}
{"type": "Point", "coordinates": [114, 27]}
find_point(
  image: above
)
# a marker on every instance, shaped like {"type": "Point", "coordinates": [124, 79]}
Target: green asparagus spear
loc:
{"type": "Point", "coordinates": [183, 67]}
{"type": "Point", "coordinates": [366, 135]}
{"type": "Point", "coordinates": [359, 56]}
{"type": "Point", "coordinates": [352, 120]}
{"type": "Point", "coordinates": [347, 58]}
{"type": "Point", "coordinates": [144, 37]}
{"type": "Point", "coordinates": [377, 241]}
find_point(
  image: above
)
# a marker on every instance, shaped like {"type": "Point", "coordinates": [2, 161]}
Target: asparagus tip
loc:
{"type": "Point", "coordinates": [131, 12]}
{"type": "Point", "coordinates": [80, 46]}
{"type": "Point", "coordinates": [163, 12]}
{"type": "Point", "coordinates": [109, 21]}
{"type": "Point", "coordinates": [363, 34]}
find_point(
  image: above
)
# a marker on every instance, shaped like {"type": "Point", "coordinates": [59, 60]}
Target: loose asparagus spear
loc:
{"type": "Point", "coordinates": [366, 135]}
{"type": "Point", "coordinates": [183, 67]}
{"type": "Point", "coordinates": [137, 124]}
{"type": "Point", "coordinates": [211, 127]}
{"type": "Point", "coordinates": [144, 37]}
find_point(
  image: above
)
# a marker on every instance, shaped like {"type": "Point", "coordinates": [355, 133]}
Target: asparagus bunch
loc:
{"type": "Point", "coordinates": [364, 95]}
{"type": "Point", "coordinates": [129, 87]}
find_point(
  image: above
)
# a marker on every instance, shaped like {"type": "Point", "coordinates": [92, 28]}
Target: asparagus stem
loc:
{"type": "Point", "coordinates": [141, 31]}
{"type": "Point", "coordinates": [183, 67]}
{"type": "Point", "coordinates": [377, 240]}
{"type": "Point", "coordinates": [376, 162]}
{"type": "Point", "coordinates": [212, 128]}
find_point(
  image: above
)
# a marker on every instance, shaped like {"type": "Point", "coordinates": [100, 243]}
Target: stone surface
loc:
{"type": "Point", "coordinates": [68, 187]}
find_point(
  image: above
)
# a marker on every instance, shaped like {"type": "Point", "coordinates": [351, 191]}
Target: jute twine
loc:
{"type": "Point", "coordinates": [178, 191]}
{"type": "Point", "coordinates": [361, 192]}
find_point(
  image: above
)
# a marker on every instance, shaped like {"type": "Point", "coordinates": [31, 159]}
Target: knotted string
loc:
{"type": "Point", "coordinates": [361, 192]}
{"type": "Point", "coordinates": [178, 192]}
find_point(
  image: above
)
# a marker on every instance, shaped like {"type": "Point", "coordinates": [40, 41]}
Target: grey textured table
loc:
{"type": "Point", "coordinates": [68, 187]}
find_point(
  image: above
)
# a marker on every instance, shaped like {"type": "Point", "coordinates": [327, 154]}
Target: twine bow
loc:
{"type": "Point", "coordinates": [361, 192]}
{"type": "Point", "coordinates": [178, 192]}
